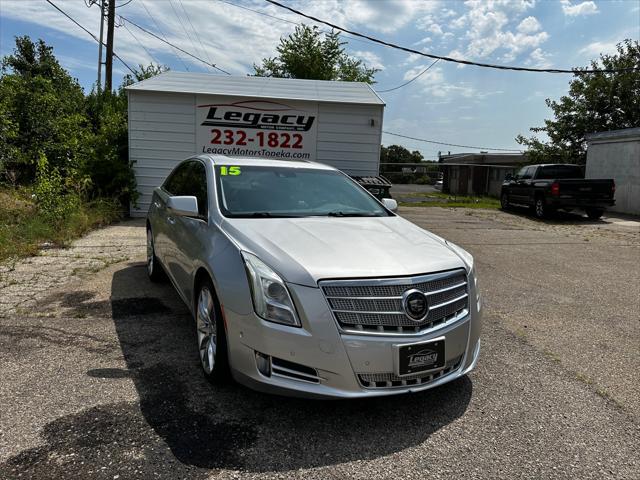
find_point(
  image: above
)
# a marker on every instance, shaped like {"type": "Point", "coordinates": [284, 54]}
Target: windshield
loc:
{"type": "Point", "coordinates": [256, 191]}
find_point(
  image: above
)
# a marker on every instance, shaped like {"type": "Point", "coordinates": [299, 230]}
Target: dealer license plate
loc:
{"type": "Point", "coordinates": [421, 357]}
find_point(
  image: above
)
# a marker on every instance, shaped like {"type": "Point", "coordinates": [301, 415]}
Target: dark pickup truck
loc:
{"type": "Point", "coordinates": [547, 188]}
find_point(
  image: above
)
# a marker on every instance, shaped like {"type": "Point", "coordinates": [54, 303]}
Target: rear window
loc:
{"type": "Point", "coordinates": [560, 171]}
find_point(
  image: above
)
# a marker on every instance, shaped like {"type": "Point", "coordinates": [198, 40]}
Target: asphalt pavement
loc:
{"type": "Point", "coordinates": [100, 375]}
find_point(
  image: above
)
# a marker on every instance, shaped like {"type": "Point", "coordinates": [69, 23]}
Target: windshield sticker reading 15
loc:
{"type": "Point", "coordinates": [229, 170]}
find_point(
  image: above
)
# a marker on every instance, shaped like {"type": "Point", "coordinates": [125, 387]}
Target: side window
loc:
{"type": "Point", "coordinates": [198, 186]}
{"type": "Point", "coordinates": [528, 173]}
{"type": "Point", "coordinates": [176, 183]}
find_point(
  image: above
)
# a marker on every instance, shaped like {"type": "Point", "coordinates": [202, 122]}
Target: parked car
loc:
{"type": "Point", "coordinates": [301, 282]}
{"type": "Point", "coordinates": [547, 188]}
{"type": "Point", "coordinates": [438, 185]}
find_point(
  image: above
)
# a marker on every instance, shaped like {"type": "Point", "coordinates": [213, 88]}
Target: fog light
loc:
{"type": "Point", "coordinates": [263, 362]}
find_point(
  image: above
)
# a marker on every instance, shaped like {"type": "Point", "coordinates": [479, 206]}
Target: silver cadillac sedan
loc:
{"type": "Point", "coordinates": [302, 283]}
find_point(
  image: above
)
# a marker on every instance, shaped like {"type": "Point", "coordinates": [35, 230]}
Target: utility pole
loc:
{"type": "Point", "coordinates": [101, 5]}
{"type": "Point", "coordinates": [111, 17]}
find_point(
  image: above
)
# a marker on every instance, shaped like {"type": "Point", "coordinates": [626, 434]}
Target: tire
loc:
{"type": "Point", "coordinates": [154, 269]}
{"type": "Point", "coordinates": [594, 213]}
{"type": "Point", "coordinates": [210, 334]}
{"type": "Point", "coordinates": [540, 208]}
{"type": "Point", "coordinates": [504, 201]}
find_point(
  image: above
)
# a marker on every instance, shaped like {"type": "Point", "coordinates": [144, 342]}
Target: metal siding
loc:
{"type": "Point", "coordinates": [260, 87]}
{"type": "Point", "coordinates": [161, 134]}
{"type": "Point", "coordinates": [346, 139]}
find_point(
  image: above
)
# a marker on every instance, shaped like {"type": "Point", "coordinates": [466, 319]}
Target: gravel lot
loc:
{"type": "Point", "coordinates": [100, 377]}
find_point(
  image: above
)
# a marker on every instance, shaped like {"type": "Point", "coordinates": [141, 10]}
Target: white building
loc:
{"type": "Point", "coordinates": [176, 115]}
{"type": "Point", "coordinates": [616, 154]}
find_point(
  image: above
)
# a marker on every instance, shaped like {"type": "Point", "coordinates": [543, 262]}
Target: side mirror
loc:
{"type": "Point", "coordinates": [508, 177]}
{"type": "Point", "coordinates": [390, 204]}
{"type": "Point", "coordinates": [184, 206]}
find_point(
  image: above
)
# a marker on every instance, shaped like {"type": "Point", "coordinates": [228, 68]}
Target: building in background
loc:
{"type": "Point", "coordinates": [478, 173]}
{"type": "Point", "coordinates": [176, 115]}
{"type": "Point", "coordinates": [616, 154]}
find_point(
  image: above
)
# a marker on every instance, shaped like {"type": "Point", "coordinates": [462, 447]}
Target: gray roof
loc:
{"type": "Point", "coordinates": [613, 134]}
{"type": "Point", "coordinates": [260, 87]}
{"type": "Point", "coordinates": [484, 158]}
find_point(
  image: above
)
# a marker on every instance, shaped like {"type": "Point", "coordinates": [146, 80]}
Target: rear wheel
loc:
{"type": "Point", "coordinates": [212, 341]}
{"type": "Point", "coordinates": [541, 209]}
{"type": "Point", "coordinates": [594, 213]}
{"type": "Point", "coordinates": [154, 269]}
{"type": "Point", "coordinates": [504, 201]}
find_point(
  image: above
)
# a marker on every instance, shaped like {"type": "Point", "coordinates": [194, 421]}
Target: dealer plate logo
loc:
{"type": "Point", "coordinates": [422, 358]}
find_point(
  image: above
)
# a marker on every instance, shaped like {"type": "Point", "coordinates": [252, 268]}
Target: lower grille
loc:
{"type": "Point", "coordinates": [376, 305]}
{"type": "Point", "coordinates": [391, 380]}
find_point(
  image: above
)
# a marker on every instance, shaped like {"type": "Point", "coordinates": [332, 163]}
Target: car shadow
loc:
{"type": "Point", "coordinates": [559, 217]}
{"type": "Point", "coordinates": [181, 416]}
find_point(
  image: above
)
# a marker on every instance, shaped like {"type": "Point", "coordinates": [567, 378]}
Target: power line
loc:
{"type": "Point", "coordinates": [448, 59]}
{"type": "Point", "coordinates": [195, 31]}
{"type": "Point", "coordinates": [285, 20]}
{"type": "Point", "coordinates": [412, 80]}
{"type": "Point", "coordinates": [140, 43]}
{"type": "Point", "coordinates": [182, 25]}
{"type": "Point", "coordinates": [87, 31]}
{"type": "Point", "coordinates": [450, 144]}
{"type": "Point", "coordinates": [174, 46]}
{"type": "Point", "coordinates": [164, 37]}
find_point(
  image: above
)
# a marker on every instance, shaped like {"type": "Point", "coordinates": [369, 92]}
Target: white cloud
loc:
{"type": "Point", "coordinates": [529, 25]}
{"type": "Point", "coordinates": [539, 59]}
{"type": "Point", "coordinates": [594, 49]}
{"type": "Point", "coordinates": [584, 8]}
{"type": "Point", "coordinates": [493, 28]}
{"type": "Point", "coordinates": [370, 59]}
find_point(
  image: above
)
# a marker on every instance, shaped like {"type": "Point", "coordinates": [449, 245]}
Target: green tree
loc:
{"type": "Point", "coordinates": [306, 54]}
{"type": "Point", "coordinates": [595, 102]}
{"type": "Point", "coordinates": [399, 154]}
{"type": "Point", "coordinates": [110, 169]}
{"type": "Point", "coordinates": [42, 106]}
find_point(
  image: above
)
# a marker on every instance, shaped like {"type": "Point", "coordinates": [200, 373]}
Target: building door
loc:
{"type": "Point", "coordinates": [480, 177]}
{"type": "Point", "coordinates": [463, 181]}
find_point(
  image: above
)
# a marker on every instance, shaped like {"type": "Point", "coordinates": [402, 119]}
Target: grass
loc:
{"type": "Point", "coordinates": [23, 229]}
{"type": "Point", "coordinates": [437, 199]}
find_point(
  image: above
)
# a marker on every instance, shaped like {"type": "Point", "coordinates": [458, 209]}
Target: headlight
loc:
{"type": "Point", "coordinates": [466, 257]}
{"type": "Point", "coordinates": [271, 299]}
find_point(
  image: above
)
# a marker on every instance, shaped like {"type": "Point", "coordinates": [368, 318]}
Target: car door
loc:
{"type": "Point", "coordinates": [187, 232]}
{"type": "Point", "coordinates": [528, 189]}
{"type": "Point", "coordinates": [163, 221]}
{"type": "Point", "coordinates": [517, 187]}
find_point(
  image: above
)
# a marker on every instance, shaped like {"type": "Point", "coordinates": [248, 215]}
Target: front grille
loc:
{"type": "Point", "coordinates": [391, 380]}
{"type": "Point", "coordinates": [375, 305]}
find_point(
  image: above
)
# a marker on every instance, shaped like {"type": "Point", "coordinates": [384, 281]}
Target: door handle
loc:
{"type": "Point", "coordinates": [171, 220]}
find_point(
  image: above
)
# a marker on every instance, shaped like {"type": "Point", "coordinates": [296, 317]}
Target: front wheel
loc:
{"type": "Point", "coordinates": [212, 341]}
{"type": "Point", "coordinates": [154, 269]}
{"type": "Point", "coordinates": [594, 213]}
{"type": "Point", "coordinates": [504, 201]}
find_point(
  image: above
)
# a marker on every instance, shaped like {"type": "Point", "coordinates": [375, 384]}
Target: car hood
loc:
{"type": "Point", "coordinates": [306, 250]}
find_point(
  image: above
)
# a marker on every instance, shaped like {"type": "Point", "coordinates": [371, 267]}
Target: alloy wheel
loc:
{"type": "Point", "coordinates": [207, 333]}
{"type": "Point", "coordinates": [150, 252]}
{"type": "Point", "coordinates": [539, 208]}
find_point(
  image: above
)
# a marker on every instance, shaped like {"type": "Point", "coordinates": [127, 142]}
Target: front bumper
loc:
{"type": "Point", "coordinates": [344, 364]}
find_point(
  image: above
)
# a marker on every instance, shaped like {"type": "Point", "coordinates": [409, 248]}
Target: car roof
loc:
{"type": "Point", "coordinates": [262, 162]}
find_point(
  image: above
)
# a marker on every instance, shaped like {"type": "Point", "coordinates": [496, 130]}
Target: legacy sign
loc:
{"type": "Point", "coordinates": [256, 128]}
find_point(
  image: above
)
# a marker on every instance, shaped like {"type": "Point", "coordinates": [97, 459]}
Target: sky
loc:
{"type": "Point", "coordinates": [449, 103]}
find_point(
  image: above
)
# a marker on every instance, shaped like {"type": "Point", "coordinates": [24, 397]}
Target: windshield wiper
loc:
{"type": "Point", "coordinates": [351, 214]}
{"type": "Point", "coordinates": [263, 215]}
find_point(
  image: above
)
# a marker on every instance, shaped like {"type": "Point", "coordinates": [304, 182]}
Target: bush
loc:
{"type": "Point", "coordinates": [55, 204]}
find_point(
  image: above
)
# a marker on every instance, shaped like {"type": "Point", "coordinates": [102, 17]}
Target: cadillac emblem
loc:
{"type": "Point", "coordinates": [415, 305]}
